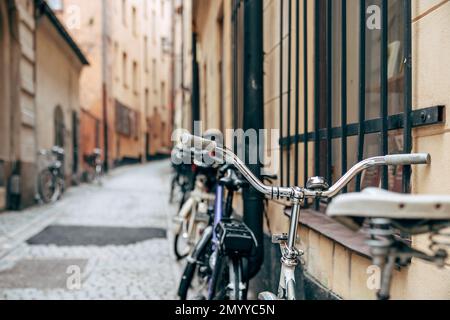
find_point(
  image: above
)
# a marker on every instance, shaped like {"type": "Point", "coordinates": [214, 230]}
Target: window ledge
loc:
{"type": "Point", "coordinates": [333, 230]}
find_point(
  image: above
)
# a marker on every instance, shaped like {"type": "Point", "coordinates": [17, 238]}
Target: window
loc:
{"type": "Point", "coordinates": [362, 92]}
{"type": "Point", "coordinates": [123, 124]}
{"type": "Point", "coordinates": [146, 53]}
{"type": "Point", "coordinates": [124, 70]}
{"type": "Point", "coordinates": [60, 129]}
{"type": "Point", "coordinates": [97, 133]}
{"type": "Point", "coordinates": [124, 12]}
{"type": "Point", "coordinates": [145, 9]}
{"type": "Point", "coordinates": [116, 61]}
{"type": "Point", "coordinates": [153, 26]}
{"type": "Point", "coordinates": [147, 101]}
{"type": "Point", "coordinates": [154, 75]}
{"type": "Point", "coordinates": [56, 5]}
{"type": "Point", "coordinates": [134, 21]}
{"type": "Point", "coordinates": [135, 78]}
{"type": "Point", "coordinates": [163, 94]}
{"type": "Point", "coordinates": [166, 46]}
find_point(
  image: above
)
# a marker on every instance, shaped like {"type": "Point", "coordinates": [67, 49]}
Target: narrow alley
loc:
{"type": "Point", "coordinates": [115, 236]}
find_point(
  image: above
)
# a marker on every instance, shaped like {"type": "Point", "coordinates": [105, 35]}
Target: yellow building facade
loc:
{"type": "Point", "coordinates": [40, 68]}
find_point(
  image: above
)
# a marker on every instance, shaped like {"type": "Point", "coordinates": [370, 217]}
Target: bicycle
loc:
{"type": "Point", "coordinates": [218, 258]}
{"type": "Point", "coordinates": [316, 189]}
{"type": "Point", "coordinates": [51, 183]}
{"type": "Point", "coordinates": [388, 212]}
{"type": "Point", "coordinates": [94, 160]}
{"type": "Point", "coordinates": [193, 218]}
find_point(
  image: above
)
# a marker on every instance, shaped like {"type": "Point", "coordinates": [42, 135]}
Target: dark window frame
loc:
{"type": "Point", "coordinates": [322, 132]}
{"type": "Point", "coordinates": [325, 133]}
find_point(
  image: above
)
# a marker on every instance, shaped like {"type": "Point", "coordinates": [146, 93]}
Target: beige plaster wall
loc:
{"type": "Point", "coordinates": [57, 78]}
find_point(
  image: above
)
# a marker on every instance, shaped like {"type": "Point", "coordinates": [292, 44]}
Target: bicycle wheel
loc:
{"type": "Point", "coordinates": [48, 186]}
{"type": "Point", "coordinates": [194, 282]}
{"type": "Point", "coordinates": [227, 280]}
{"type": "Point", "coordinates": [181, 246]}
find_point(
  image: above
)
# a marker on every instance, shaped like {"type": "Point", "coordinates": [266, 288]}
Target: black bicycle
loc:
{"type": "Point", "coordinates": [215, 269]}
{"type": "Point", "coordinates": [51, 184]}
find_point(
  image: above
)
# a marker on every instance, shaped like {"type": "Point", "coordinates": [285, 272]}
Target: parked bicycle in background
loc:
{"type": "Point", "coordinates": [51, 182]}
{"type": "Point", "coordinates": [182, 178]}
{"type": "Point", "coordinates": [94, 161]}
{"type": "Point", "coordinates": [192, 218]}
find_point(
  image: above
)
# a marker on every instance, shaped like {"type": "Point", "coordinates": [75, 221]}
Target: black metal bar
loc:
{"type": "Point", "coordinates": [418, 118]}
{"type": "Point", "coordinates": [306, 88]}
{"type": "Point", "coordinates": [236, 101]}
{"type": "Point", "coordinates": [234, 20]}
{"type": "Point", "coordinates": [281, 92]}
{"type": "Point", "coordinates": [407, 139]}
{"type": "Point", "coordinates": [253, 120]}
{"type": "Point", "coordinates": [329, 175]}
{"type": "Point", "coordinates": [195, 83]}
{"type": "Point", "coordinates": [297, 87]}
{"type": "Point", "coordinates": [362, 85]}
{"type": "Point", "coordinates": [344, 100]}
{"type": "Point", "coordinates": [289, 92]}
{"type": "Point", "coordinates": [384, 90]}
{"type": "Point", "coordinates": [317, 88]}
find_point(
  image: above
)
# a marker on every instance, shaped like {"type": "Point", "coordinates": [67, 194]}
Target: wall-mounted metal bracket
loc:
{"type": "Point", "coordinates": [419, 118]}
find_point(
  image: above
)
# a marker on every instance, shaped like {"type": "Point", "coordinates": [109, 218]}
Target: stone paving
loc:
{"type": "Point", "coordinates": [132, 197]}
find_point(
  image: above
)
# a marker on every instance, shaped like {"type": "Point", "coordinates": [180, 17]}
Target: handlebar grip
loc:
{"type": "Point", "coordinates": [408, 159]}
{"type": "Point", "coordinates": [196, 142]}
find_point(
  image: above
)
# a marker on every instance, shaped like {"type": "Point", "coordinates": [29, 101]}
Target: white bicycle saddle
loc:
{"type": "Point", "coordinates": [404, 209]}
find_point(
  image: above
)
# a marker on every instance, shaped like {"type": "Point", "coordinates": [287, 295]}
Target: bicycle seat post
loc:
{"type": "Point", "coordinates": [383, 250]}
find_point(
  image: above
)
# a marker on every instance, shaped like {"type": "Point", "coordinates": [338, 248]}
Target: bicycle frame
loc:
{"type": "Point", "coordinates": [189, 211]}
{"type": "Point", "coordinates": [218, 215]}
{"type": "Point", "coordinates": [208, 237]}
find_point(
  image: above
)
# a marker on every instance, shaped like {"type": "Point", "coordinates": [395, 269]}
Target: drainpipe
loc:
{"type": "Point", "coordinates": [195, 84]}
{"type": "Point", "coordinates": [254, 119]}
{"type": "Point", "coordinates": [172, 69]}
{"type": "Point", "coordinates": [104, 83]}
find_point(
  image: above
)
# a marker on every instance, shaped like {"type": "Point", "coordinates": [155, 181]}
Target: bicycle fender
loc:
{"type": "Point", "coordinates": [186, 280]}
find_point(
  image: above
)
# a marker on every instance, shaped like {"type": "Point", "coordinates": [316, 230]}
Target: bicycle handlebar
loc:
{"type": "Point", "coordinates": [390, 160]}
{"type": "Point", "coordinates": [289, 192]}
{"type": "Point", "coordinates": [408, 159]}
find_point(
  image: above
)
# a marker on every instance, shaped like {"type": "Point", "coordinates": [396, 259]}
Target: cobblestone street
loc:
{"type": "Point", "coordinates": [117, 236]}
